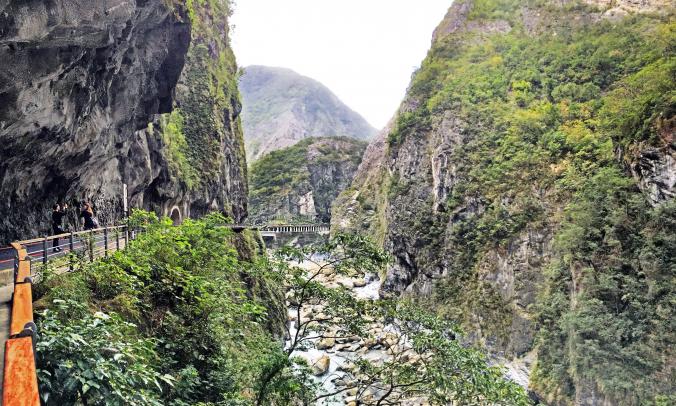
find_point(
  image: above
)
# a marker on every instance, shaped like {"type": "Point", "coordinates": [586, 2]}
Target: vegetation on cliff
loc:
{"type": "Point", "coordinates": [552, 107]}
{"type": "Point", "coordinates": [299, 183]}
{"type": "Point", "coordinates": [191, 314]}
{"type": "Point", "coordinates": [202, 134]}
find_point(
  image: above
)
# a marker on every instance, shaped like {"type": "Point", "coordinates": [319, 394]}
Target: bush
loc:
{"type": "Point", "coordinates": [95, 359]}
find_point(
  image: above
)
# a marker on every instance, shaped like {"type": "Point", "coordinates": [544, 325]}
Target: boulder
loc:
{"type": "Point", "coordinates": [326, 343]}
{"type": "Point", "coordinates": [321, 366]}
{"type": "Point", "coordinates": [359, 283]}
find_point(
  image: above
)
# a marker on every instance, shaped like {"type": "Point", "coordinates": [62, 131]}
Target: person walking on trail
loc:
{"type": "Point", "coordinates": [58, 212]}
{"type": "Point", "coordinates": [87, 215]}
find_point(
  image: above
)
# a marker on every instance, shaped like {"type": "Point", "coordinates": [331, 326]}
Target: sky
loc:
{"type": "Point", "coordinates": [363, 50]}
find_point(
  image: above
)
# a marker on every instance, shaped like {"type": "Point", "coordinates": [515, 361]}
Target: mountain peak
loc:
{"type": "Point", "coordinates": [282, 107]}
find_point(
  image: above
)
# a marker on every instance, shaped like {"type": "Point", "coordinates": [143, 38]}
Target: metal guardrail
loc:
{"type": "Point", "coordinates": [281, 228]}
{"type": "Point", "coordinates": [90, 242]}
{"type": "Point", "coordinates": [20, 383]}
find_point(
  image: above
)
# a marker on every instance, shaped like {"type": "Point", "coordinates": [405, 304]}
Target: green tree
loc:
{"type": "Point", "coordinates": [425, 358]}
{"type": "Point", "coordinates": [96, 359]}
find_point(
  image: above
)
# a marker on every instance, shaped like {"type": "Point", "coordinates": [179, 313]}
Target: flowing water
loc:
{"type": "Point", "coordinates": [343, 352]}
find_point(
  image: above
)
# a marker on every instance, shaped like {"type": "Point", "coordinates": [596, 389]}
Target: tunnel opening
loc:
{"type": "Point", "coordinates": [175, 216]}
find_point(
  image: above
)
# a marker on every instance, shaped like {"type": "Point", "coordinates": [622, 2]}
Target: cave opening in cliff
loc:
{"type": "Point", "coordinates": [175, 216]}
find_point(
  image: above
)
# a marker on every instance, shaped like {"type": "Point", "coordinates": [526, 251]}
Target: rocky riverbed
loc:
{"type": "Point", "coordinates": [332, 356]}
{"type": "Point", "coordinates": [333, 359]}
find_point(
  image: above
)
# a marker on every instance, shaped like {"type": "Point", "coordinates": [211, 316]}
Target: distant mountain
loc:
{"type": "Point", "coordinates": [281, 107]}
{"type": "Point", "coordinates": [301, 181]}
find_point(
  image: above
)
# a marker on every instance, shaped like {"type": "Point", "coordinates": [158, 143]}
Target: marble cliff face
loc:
{"type": "Point", "coordinates": [301, 182]}
{"type": "Point", "coordinates": [88, 93]}
{"type": "Point", "coordinates": [479, 251]}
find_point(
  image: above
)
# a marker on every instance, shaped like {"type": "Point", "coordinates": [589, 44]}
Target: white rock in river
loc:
{"type": "Point", "coordinates": [321, 366]}
{"type": "Point", "coordinates": [326, 343]}
{"type": "Point", "coordinates": [359, 283]}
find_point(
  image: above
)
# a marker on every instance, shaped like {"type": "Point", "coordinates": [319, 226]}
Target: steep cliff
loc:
{"type": "Point", "coordinates": [204, 144]}
{"type": "Point", "coordinates": [525, 189]}
{"type": "Point", "coordinates": [79, 84]}
{"type": "Point", "coordinates": [282, 107]}
{"type": "Point", "coordinates": [302, 181]}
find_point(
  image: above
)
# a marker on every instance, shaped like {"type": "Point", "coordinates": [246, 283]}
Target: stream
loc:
{"type": "Point", "coordinates": [332, 359]}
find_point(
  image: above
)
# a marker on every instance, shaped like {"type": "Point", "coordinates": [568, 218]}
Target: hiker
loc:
{"type": "Point", "coordinates": [87, 214]}
{"type": "Point", "coordinates": [58, 212]}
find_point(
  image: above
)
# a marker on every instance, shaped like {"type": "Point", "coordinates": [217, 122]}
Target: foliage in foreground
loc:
{"type": "Point", "coordinates": [180, 318]}
{"type": "Point", "coordinates": [424, 360]}
{"type": "Point", "coordinates": [201, 319]}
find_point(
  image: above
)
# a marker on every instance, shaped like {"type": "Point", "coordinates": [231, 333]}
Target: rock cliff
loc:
{"type": "Point", "coordinates": [300, 183]}
{"type": "Point", "coordinates": [85, 88]}
{"type": "Point", "coordinates": [525, 189]}
{"type": "Point", "coordinates": [281, 107]}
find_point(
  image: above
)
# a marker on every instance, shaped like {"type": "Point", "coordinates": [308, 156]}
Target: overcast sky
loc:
{"type": "Point", "coordinates": [363, 50]}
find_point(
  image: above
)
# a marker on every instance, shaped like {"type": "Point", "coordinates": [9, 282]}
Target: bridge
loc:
{"type": "Point", "coordinates": [19, 267]}
{"type": "Point", "coordinates": [270, 232]}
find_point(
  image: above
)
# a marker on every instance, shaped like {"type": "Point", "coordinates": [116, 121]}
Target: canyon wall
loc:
{"type": "Point", "coordinates": [300, 183]}
{"type": "Point", "coordinates": [525, 189]}
{"type": "Point", "coordinates": [97, 94]}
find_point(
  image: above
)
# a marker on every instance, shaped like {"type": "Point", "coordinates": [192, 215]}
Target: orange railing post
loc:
{"type": "Point", "coordinates": [20, 385]}
{"type": "Point", "coordinates": [20, 381]}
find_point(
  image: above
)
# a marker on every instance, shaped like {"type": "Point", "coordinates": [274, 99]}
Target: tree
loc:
{"type": "Point", "coordinates": [421, 355]}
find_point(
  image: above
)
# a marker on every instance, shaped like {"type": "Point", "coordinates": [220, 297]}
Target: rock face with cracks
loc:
{"type": "Point", "coordinates": [80, 82]}
{"type": "Point", "coordinates": [477, 215]}
{"type": "Point", "coordinates": [300, 183]}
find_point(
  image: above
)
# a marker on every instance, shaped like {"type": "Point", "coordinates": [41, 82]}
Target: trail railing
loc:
{"type": "Point", "coordinates": [90, 244]}
{"type": "Point", "coordinates": [20, 383]}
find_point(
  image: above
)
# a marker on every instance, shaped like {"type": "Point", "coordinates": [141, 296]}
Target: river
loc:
{"type": "Point", "coordinates": [332, 359]}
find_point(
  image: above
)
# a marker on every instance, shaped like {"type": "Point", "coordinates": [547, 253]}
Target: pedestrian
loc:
{"type": "Point", "coordinates": [87, 215]}
{"type": "Point", "coordinates": [58, 212]}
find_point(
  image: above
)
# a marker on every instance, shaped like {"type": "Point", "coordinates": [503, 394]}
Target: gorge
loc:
{"type": "Point", "coordinates": [517, 210]}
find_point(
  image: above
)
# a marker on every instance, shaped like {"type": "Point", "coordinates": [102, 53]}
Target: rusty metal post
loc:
{"type": "Point", "coordinates": [71, 246]}
{"type": "Point", "coordinates": [16, 264]}
{"type": "Point", "coordinates": [91, 239]}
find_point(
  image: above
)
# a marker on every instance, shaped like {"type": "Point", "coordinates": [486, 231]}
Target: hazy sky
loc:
{"type": "Point", "coordinates": [363, 50]}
